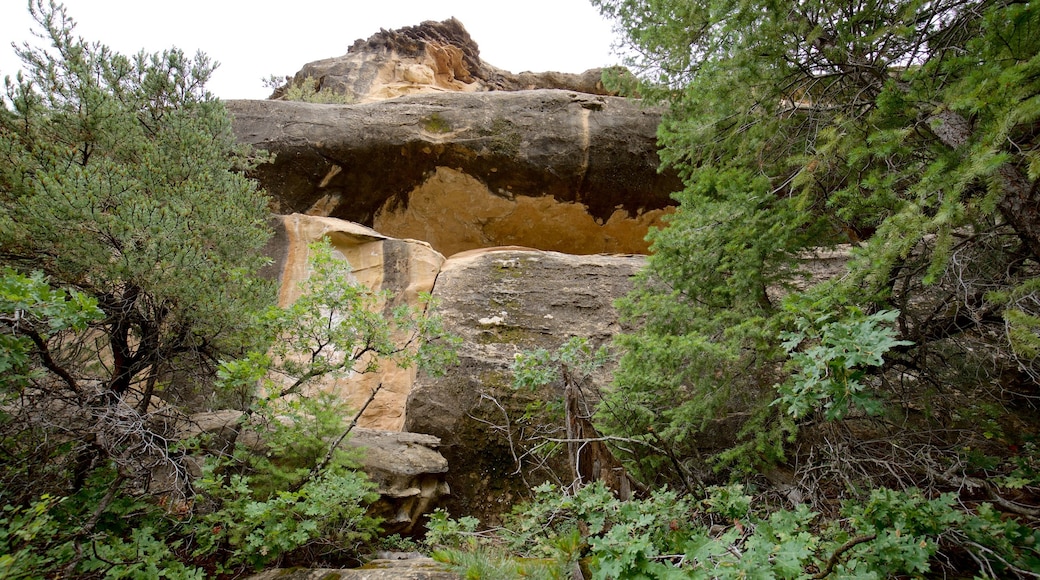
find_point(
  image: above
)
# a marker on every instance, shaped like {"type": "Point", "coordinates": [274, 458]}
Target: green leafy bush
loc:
{"type": "Point", "coordinates": [893, 533]}
{"type": "Point", "coordinates": [828, 358]}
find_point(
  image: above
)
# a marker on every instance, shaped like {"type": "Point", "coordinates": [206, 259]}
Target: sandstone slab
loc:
{"type": "Point", "coordinates": [502, 301]}
{"type": "Point", "coordinates": [409, 472]}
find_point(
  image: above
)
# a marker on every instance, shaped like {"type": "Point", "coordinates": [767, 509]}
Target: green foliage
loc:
{"type": "Point", "coordinates": [829, 356]}
{"type": "Point", "coordinates": [306, 90]}
{"type": "Point", "coordinates": [121, 189]}
{"type": "Point", "coordinates": [121, 178]}
{"type": "Point", "coordinates": [129, 539]}
{"type": "Point", "coordinates": [301, 491]}
{"type": "Point", "coordinates": [575, 358]}
{"type": "Point", "coordinates": [336, 327]}
{"type": "Point", "coordinates": [902, 129]}
{"type": "Point", "coordinates": [130, 242]}
{"type": "Point", "coordinates": [35, 311]}
{"type": "Point", "coordinates": [720, 536]}
{"type": "Point", "coordinates": [22, 532]}
{"type": "Point", "coordinates": [327, 511]}
{"type": "Point", "coordinates": [445, 532]}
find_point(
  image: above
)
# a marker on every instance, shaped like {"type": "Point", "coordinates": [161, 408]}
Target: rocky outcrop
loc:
{"type": "Point", "coordinates": [409, 472]}
{"type": "Point", "coordinates": [550, 169]}
{"type": "Point", "coordinates": [405, 268]}
{"type": "Point", "coordinates": [502, 301]}
{"type": "Point", "coordinates": [499, 301]}
{"type": "Point", "coordinates": [430, 57]}
{"type": "Point", "coordinates": [442, 147]}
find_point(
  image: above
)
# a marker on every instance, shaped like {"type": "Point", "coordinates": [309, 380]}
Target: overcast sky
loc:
{"type": "Point", "coordinates": [254, 39]}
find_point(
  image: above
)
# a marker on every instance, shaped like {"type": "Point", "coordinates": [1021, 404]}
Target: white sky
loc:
{"type": "Point", "coordinates": [253, 39]}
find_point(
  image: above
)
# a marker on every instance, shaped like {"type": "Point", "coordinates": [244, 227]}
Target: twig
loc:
{"type": "Point", "coordinates": [332, 448]}
{"type": "Point", "coordinates": [833, 560]}
{"type": "Point", "coordinates": [1011, 566]}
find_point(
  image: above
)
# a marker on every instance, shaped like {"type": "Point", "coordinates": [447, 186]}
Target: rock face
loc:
{"type": "Point", "coordinates": [499, 301]}
{"type": "Point", "coordinates": [409, 472]}
{"type": "Point", "coordinates": [502, 301]}
{"type": "Point", "coordinates": [406, 268]}
{"type": "Point", "coordinates": [551, 169]}
{"type": "Point", "coordinates": [442, 147]}
{"type": "Point", "coordinates": [430, 57]}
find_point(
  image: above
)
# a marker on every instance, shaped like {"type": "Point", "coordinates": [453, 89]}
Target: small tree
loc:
{"type": "Point", "coordinates": [299, 494]}
{"type": "Point", "coordinates": [589, 459]}
{"type": "Point", "coordinates": [122, 192]}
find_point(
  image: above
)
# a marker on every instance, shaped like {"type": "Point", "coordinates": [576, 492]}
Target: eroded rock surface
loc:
{"type": "Point", "coordinates": [430, 57]}
{"type": "Point", "coordinates": [409, 472]}
{"type": "Point", "coordinates": [502, 301]}
{"type": "Point", "coordinates": [550, 169]}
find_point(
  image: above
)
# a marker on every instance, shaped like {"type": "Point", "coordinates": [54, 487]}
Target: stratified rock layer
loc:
{"type": "Point", "coordinates": [502, 301]}
{"type": "Point", "coordinates": [409, 472]}
{"type": "Point", "coordinates": [549, 169]}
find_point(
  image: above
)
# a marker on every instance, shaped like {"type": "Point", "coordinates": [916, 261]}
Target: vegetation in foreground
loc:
{"type": "Point", "coordinates": [877, 423]}
{"type": "Point", "coordinates": [130, 245]}
{"type": "Point", "coordinates": [878, 420]}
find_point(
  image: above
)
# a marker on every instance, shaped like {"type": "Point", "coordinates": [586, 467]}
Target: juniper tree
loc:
{"type": "Point", "coordinates": [906, 129]}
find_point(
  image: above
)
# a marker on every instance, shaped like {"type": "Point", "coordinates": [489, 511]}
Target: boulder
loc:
{"type": "Point", "coordinates": [428, 58]}
{"type": "Point", "coordinates": [409, 472]}
{"type": "Point", "coordinates": [502, 301]}
{"type": "Point", "coordinates": [550, 169]}
{"type": "Point", "coordinates": [405, 268]}
{"type": "Point", "coordinates": [406, 467]}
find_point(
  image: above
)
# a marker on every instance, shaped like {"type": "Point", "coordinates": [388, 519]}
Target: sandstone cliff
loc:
{"type": "Point", "coordinates": [550, 169]}
{"type": "Point", "coordinates": [443, 147]}
{"type": "Point", "coordinates": [526, 181]}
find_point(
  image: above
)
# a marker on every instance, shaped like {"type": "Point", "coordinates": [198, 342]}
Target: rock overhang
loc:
{"type": "Point", "coordinates": [591, 159]}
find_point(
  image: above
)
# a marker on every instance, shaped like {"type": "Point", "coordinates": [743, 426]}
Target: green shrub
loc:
{"type": "Point", "coordinates": [891, 533]}
{"type": "Point", "coordinates": [306, 90]}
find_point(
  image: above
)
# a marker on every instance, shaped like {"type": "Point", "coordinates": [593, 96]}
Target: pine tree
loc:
{"type": "Point", "coordinates": [120, 180]}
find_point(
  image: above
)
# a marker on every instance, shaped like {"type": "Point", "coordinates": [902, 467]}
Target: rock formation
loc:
{"type": "Point", "coordinates": [430, 57]}
{"type": "Point", "coordinates": [405, 268]}
{"type": "Point", "coordinates": [502, 301]}
{"type": "Point", "coordinates": [409, 472]}
{"type": "Point", "coordinates": [444, 148]}
{"type": "Point", "coordinates": [499, 301]}
{"type": "Point", "coordinates": [550, 169]}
